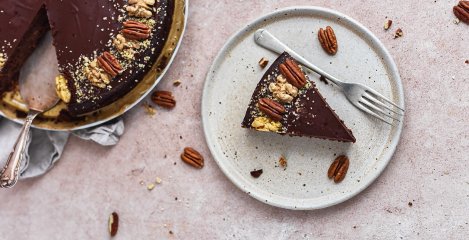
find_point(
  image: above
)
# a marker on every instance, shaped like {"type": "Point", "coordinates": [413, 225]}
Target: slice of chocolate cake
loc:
{"type": "Point", "coordinates": [285, 101]}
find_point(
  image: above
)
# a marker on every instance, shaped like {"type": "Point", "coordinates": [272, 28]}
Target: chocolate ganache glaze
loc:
{"type": "Point", "coordinates": [104, 47]}
{"type": "Point", "coordinates": [293, 105]}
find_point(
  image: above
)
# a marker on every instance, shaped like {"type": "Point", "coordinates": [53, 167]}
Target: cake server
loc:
{"type": "Point", "coordinates": [361, 96]}
{"type": "Point", "coordinates": [37, 89]}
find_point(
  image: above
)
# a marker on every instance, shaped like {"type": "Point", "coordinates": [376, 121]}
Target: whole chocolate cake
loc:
{"type": "Point", "coordinates": [286, 101]}
{"type": "Point", "coordinates": [104, 47]}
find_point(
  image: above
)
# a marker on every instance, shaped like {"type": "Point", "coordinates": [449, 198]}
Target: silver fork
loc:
{"type": "Point", "coordinates": [361, 96]}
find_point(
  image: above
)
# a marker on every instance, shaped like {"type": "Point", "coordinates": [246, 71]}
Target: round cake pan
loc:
{"type": "Point", "coordinates": [119, 107]}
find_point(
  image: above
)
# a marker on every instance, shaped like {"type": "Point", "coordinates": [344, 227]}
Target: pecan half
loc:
{"type": "Point", "coordinates": [271, 108]}
{"type": "Point", "coordinates": [462, 11]}
{"type": "Point", "coordinates": [293, 73]}
{"type": "Point", "coordinates": [110, 64]}
{"type": "Point", "coordinates": [263, 62]}
{"type": "Point", "coordinates": [192, 157]}
{"type": "Point", "coordinates": [134, 30]}
{"type": "Point", "coordinates": [399, 33]}
{"type": "Point", "coordinates": [163, 99]}
{"type": "Point", "coordinates": [328, 40]}
{"type": "Point", "coordinates": [338, 168]}
{"type": "Point", "coordinates": [113, 224]}
{"type": "Point", "coordinates": [387, 24]}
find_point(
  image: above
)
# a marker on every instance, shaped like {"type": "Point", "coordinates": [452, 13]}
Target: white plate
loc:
{"type": "Point", "coordinates": [304, 184]}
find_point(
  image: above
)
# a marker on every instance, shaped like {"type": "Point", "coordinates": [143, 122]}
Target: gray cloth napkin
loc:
{"type": "Point", "coordinates": [44, 148]}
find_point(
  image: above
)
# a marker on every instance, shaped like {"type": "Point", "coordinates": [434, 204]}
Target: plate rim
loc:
{"type": "Point", "coordinates": [386, 157]}
{"type": "Point", "coordinates": [130, 106]}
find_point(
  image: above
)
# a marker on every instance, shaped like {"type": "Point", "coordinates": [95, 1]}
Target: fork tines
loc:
{"type": "Point", "coordinates": [380, 107]}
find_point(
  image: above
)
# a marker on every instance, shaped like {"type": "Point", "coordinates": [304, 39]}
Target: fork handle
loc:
{"type": "Point", "coordinates": [9, 174]}
{"type": "Point", "coordinates": [265, 39]}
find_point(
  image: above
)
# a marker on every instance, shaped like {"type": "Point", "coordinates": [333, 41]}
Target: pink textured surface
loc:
{"type": "Point", "coordinates": [429, 169]}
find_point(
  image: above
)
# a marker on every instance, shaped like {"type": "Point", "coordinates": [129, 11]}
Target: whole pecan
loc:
{"type": "Point", "coordinates": [338, 168]}
{"type": "Point", "coordinates": [462, 11]}
{"type": "Point", "coordinates": [271, 108]}
{"type": "Point", "coordinates": [110, 64]}
{"type": "Point", "coordinates": [293, 73]}
{"type": "Point", "coordinates": [192, 157]}
{"type": "Point", "coordinates": [134, 30]}
{"type": "Point", "coordinates": [163, 99]}
{"type": "Point", "coordinates": [328, 40]}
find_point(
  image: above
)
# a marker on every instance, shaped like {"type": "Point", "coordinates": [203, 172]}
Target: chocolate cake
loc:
{"type": "Point", "coordinates": [104, 47]}
{"type": "Point", "coordinates": [286, 101]}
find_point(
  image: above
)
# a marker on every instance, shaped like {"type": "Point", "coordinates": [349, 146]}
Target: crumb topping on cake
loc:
{"type": "Point", "coordinates": [283, 91]}
{"type": "Point", "coordinates": [3, 59]}
{"type": "Point", "coordinates": [61, 88]}
{"type": "Point", "coordinates": [134, 38]}
{"type": "Point", "coordinates": [266, 124]}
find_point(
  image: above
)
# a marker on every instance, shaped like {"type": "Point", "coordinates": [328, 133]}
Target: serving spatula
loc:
{"type": "Point", "coordinates": [37, 89]}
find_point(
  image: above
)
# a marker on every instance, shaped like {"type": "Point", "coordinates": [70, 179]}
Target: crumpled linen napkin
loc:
{"type": "Point", "coordinates": [44, 148]}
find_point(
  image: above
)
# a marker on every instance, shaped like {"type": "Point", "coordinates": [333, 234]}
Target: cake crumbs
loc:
{"type": "Point", "coordinates": [149, 109]}
{"type": "Point", "coordinates": [158, 180]}
{"type": "Point", "coordinates": [150, 186]}
{"type": "Point", "coordinates": [177, 82]}
{"type": "Point", "coordinates": [399, 33]}
{"type": "Point", "coordinates": [282, 162]}
{"type": "Point", "coordinates": [256, 173]}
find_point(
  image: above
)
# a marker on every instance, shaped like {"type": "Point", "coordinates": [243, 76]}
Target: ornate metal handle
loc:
{"type": "Point", "coordinates": [9, 174]}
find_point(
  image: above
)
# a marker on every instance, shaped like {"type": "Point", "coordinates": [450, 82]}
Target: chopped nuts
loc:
{"type": "Point", "coordinates": [61, 88]}
{"type": "Point", "coordinates": [158, 180]}
{"type": "Point", "coordinates": [266, 124]}
{"type": "Point", "coordinates": [3, 59]}
{"type": "Point", "coordinates": [263, 62]}
{"type": "Point", "coordinates": [177, 82]}
{"type": "Point", "coordinates": [387, 24]}
{"type": "Point", "coordinates": [283, 91]}
{"type": "Point", "coordinates": [140, 8]}
{"type": "Point", "coordinates": [121, 43]}
{"type": "Point", "coordinates": [282, 162]}
{"type": "Point", "coordinates": [399, 33]}
{"type": "Point", "coordinates": [150, 186]}
{"type": "Point", "coordinates": [338, 168]}
{"type": "Point", "coordinates": [96, 75]}
{"type": "Point", "coordinates": [113, 224]}
{"type": "Point", "coordinates": [149, 109]}
{"type": "Point", "coordinates": [164, 99]}
{"type": "Point", "coordinates": [192, 157]}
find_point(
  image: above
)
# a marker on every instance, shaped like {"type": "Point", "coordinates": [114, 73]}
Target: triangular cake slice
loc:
{"type": "Point", "coordinates": [286, 101]}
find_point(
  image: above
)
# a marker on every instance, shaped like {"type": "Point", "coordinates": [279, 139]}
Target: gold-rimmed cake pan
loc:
{"type": "Point", "coordinates": [13, 108]}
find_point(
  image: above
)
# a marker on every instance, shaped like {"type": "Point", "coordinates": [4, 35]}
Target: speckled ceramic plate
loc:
{"type": "Point", "coordinates": [303, 184]}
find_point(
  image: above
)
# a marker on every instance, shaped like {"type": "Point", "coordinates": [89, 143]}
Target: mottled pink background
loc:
{"type": "Point", "coordinates": [429, 169]}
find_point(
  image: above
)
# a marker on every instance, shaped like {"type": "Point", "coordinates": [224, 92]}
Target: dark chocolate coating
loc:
{"type": "Point", "coordinates": [79, 28]}
{"type": "Point", "coordinates": [308, 114]}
